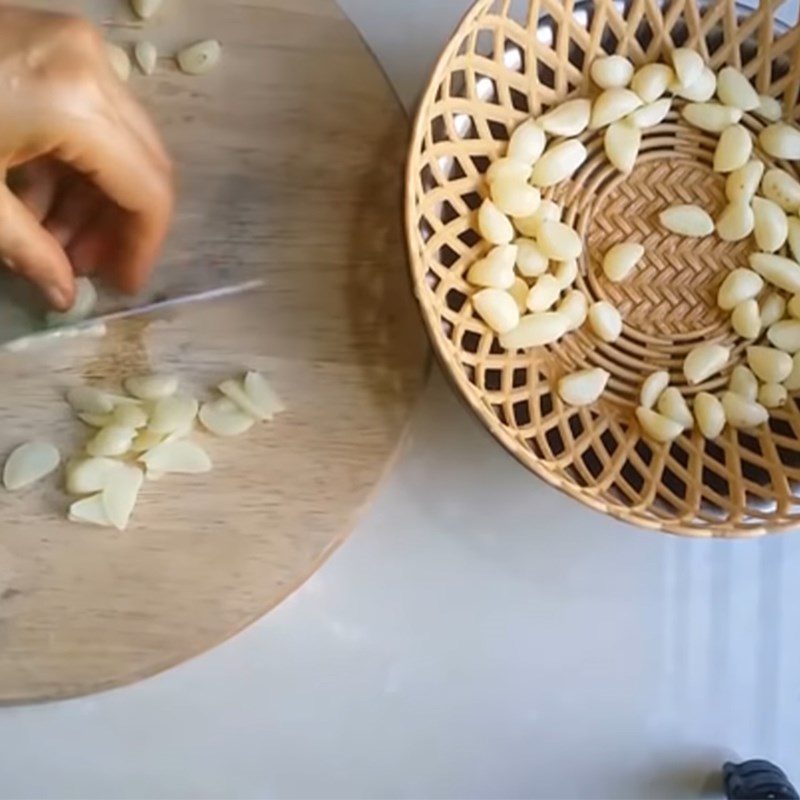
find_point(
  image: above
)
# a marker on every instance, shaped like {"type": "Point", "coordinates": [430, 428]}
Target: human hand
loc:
{"type": "Point", "coordinates": [88, 183]}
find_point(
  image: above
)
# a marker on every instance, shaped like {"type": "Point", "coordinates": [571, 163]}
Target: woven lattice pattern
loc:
{"type": "Point", "coordinates": [513, 58]}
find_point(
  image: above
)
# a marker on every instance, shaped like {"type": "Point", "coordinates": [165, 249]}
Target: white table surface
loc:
{"type": "Point", "coordinates": [478, 636]}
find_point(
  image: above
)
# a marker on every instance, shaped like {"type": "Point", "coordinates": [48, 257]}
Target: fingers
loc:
{"type": "Point", "coordinates": [32, 252]}
{"type": "Point", "coordinates": [36, 185]}
{"type": "Point", "coordinates": [77, 203]}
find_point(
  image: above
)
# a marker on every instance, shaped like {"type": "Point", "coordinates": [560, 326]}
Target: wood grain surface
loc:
{"type": "Point", "coordinates": [290, 159]}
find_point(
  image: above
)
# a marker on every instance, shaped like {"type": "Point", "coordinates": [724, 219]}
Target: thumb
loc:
{"type": "Point", "coordinates": [33, 252]}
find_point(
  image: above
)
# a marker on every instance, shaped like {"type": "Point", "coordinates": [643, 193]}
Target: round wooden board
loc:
{"type": "Point", "coordinates": [289, 158]}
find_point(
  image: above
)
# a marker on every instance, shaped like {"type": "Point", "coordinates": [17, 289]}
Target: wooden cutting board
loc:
{"type": "Point", "coordinates": [290, 160]}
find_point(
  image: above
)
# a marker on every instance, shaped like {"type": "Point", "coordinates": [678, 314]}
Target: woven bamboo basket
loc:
{"type": "Point", "coordinates": [508, 60]}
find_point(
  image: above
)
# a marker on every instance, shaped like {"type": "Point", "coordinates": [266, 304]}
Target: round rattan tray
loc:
{"type": "Point", "coordinates": [512, 59]}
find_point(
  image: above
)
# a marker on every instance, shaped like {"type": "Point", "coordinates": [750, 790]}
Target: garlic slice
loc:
{"type": "Point", "coordinates": [30, 463]}
{"type": "Point", "coordinates": [120, 495]}
{"type": "Point", "coordinates": [224, 418]}
{"type": "Point", "coordinates": [177, 457]}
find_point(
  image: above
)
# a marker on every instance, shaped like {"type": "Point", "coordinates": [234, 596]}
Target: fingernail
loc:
{"type": "Point", "coordinates": [57, 296]}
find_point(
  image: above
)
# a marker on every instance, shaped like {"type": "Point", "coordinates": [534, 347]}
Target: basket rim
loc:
{"type": "Point", "coordinates": [468, 392]}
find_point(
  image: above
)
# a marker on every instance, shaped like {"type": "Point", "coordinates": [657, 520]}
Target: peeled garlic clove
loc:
{"type": "Point", "coordinates": [773, 395]}
{"type": "Point", "coordinates": [793, 237]}
{"type": "Point", "coordinates": [172, 414]}
{"type": "Point", "coordinates": [610, 72]}
{"type": "Point", "coordinates": [622, 142]}
{"type": "Point", "coordinates": [735, 90]}
{"type": "Point", "coordinates": [658, 427]}
{"type": "Point", "coordinates": [705, 361]}
{"type": "Point", "coordinates": [700, 91]}
{"type": "Point", "coordinates": [91, 511]}
{"type": "Point", "coordinates": [687, 220]}
{"type": "Point", "coordinates": [711, 117]}
{"type": "Point", "coordinates": [792, 383]}
{"type": "Point", "coordinates": [746, 320]}
{"type": "Point", "coordinates": [558, 241]}
{"type": "Point", "coordinates": [743, 183]}
{"type": "Point", "coordinates": [110, 442]}
{"type": "Point", "coordinates": [613, 105]}
{"type": "Point", "coordinates": [527, 143]}
{"type": "Point", "coordinates": [781, 188]}
{"type": "Point", "coordinates": [152, 387]}
{"type": "Point", "coordinates": [548, 211]}
{"type": "Point", "coordinates": [568, 119]}
{"type": "Point", "coordinates": [496, 271]}
{"type": "Point", "coordinates": [785, 335]}
{"type": "Point", "coordinates": [200, 58]}
{"type": "Point", "coordinates": [621, 260]}
{"type": "Point", "coordinates": [652, 388]}
{"type": "Point", "coordinates": [781, 140]}
{"type": "Point", "coordinates": [575, 306]}
{"type": "Point", "coordinates": [769, 365]}
{"type": "Point", "coordinates": [519, 291]}
{"type": "Point", "coordinates": [146, 440]}
{"type": "Point", "coordinates": [531, 261]}
{"type": "Point", "coordinates": [769, 108]}
{"type": "Point", "coordinates": [119, 61]}
{"type": "Point", "coordinates": [606, 321]}
{"type": "Point", "coordinates": [509, 168]}
{"type": "Point", "coordinates": [650, 115]}
{"type": "Point", "coordinates": [583, 388]}
{"type": "Point", "coordinates": [83, 307]}
{"type": "Point", "coordinates": [777, 270]}
{"type": "Point", "coordinates": [688, 65]}
{"type": "Point", "coordinates": [146, 8]}
{"type": "Point", "coordinates": [177, 457]}
{"type": "Point", "coordinates": [741, 413]}
{"type": "Point", "coordinates": [709, 415]}
{"type": "Point", "coordinates": [497, 309]}
{"type": "Point", "coordinates": [744, 383]}
{"type": "Point", "coordinates": [129, 416]}
{"type": "Point", "coordinates": [30, 463]}
{"type": "Point", "coordinates": [543, 295]}
{"type": "Point", "coordinates": [566, 273]}
{"type": "Point", "coordinates": [733, 149]}
{"type": "Point", "coordinates": [773, 308]}
{"type": "Point", "coordinates": [561, 161]}
{"type": "Point", "coordinates": [736, 222]}
{"type": "Point", "coordinates": [535, 330]}
{"type": "Point", "coordinates": [120, 495]}
{"type": "Point", "coordinates": [263, 396]}
{"type": "Point", "coordinates": [146, 55]}
{"type": "Point", "coordinates": [651, 81]}
{"type": "Point", "coordinates": [90, 475]}
{"type": "Point", "coordinates": [514, 197]}
{"type": "Point", "coordinates": [494, 225]}
{"type": "Point", "coordinates": [672, 404]}
{"type": "Point", "coordinates": [87, 399]}
{"type": "Point", "coordinates": [793, 307]}
{"type": "Point", "coordinates": [771, 225]}
{"type": "Point", "coordinates": [224, 418]}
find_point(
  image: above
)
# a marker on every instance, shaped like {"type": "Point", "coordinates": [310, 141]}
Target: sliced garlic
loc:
{"type": "Point", "coordinates": [584, 387]}
{"type": "Point", "coordinates": [89, 400]}
{"type": "Point", "coordinates": [575, 306]}
{"type": "Point", "coordinates": [224, 418]}
{"type": "Point", "coordinates": [613, 105]}
{"type": "Point", "coordinates": [781, 140]}
{"type": "Point", "coordinates": [120, 495]}
{"type": "Point", "coordinates": [171, 414]}
{"type": "Point", "coordinates": [146, 440]}
{"type": "Point", "coordinates": [777, 270]}
{"type": "Point", "coordinates": [700, 91]}
{"type": "Point", "coordinates": [497, 309]}
{"type": "Point", "coordinates": [236, 392]}
{"type": "Point", "coordinates": [548, 211]}
{"type": "Point", "coordinates": [119, 60]}
{"type": "Point", "coordinates": [768, 364]}
{"type": "Point", "coordinates": [535, 330]}
{"type": "Point", "coordinates": [687, 220]}
{"type": "Point", "coordinates": [91, 511]}
{"type": "Point", "coordinates": [558, 241]}
{"type": "Point", "coordinates": [622, 141]}
{"type": "Point", "coordinates": [177, 457]}
{"type": "Point", "coordinates": [769, 108]}
{"type": "Point", "coordinates": [652, 388]}
{"type": "Point", "coordinates": [771, 225]}
{"type": "Point", "coordinates": [621, 260]}
{"type": "Point", "coordinates": [543, 295]}
{"type": "Point", "coordinates": [688, 65]}
{"type": "Point", "coordinates": [146, 8]}
{"type": "Point", "coordinates": [705, 361]}
{"type": "Point", "coordinates": [741, 413]}
{"type": "Point", "coordinates": [96, 420]}
{"type": "Point", "coordinates": [743, 183]}
{"type": "Point", "coordinates": [736, 222]}
{"type": "Point", "coordinates": [606, 321]}
{"type": "Point", "coordinates": [90, 475]}
{"type": "Point", "coordinates": [711, 117]}
{"type": "Point", "coordinates": [568, 119]}
{"type": "Point", "coordinates": [200, 58]}
{"type": "Point", "coordinates": [30, 463]}
{"type": "Point", "coordinates": [792, 383]}
{"type": "Point", "coordinates": [152, 387]}
{"type": "Point", "coordinates": [709, 415]}
{"type": "Point", "coordinates": [515, 198]}
{"type": "Point", "coordinates": [773, 309]}
{"type": "Point", "coordinates": [650, 82]}
{"type": "Point", "coordinates": [734, 149]}
{"type": "Point", "coordinates": [734, 89]}
{"type": "Point", "coordinates": [746, 319]}
{"type": "Point", "coordinates": [744, 383]}
{"type": "Point", "coordinates": [531, 261]}
{"type": "Point", "coordinates": [566, 273]}
{"type": "Point", "coordinates": [650, 115]}
{"type": "Point", "coordinates": [773, 395]}
{"type": "Point", "coordinates": [560, 161]}
{"type": "Point", "coordinates": [658, 427]}
{"type": "Point", "coordinates": [83, 307]}
{"type": "Point", "coordinates": [494, 225]}
{"type": "Point", "coordinates": [780, 187]}
{"type": "Point", "coordinates": [146, 55]}
{"type": "Point", "coordinates": [505, 168]}
{"type": "Point", "coordinates": [672, 404]}
{"type": "Point", "coordinates": [527, 143]}
{"type": "Point", "coordinates": [129, 416]}
{"type": "Point", "coordinates": [785, 335]}
{"type": "Point", "coordinates": [110, 442]}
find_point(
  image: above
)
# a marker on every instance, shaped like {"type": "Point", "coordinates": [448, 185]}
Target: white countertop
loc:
{"type": "Point", "coordinates": [478, 636]}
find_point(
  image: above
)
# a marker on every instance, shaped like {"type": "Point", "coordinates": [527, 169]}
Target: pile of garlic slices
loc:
{"type": "Point", "coordinates": [145, 433]}
{"type": "Point", "coordinates": [525, 284]}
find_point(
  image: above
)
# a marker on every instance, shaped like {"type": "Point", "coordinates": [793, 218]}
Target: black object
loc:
{"type": "Point", "coordinates": [757, 780]}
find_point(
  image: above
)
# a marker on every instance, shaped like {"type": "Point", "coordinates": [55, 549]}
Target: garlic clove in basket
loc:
{"type": "Point", "coordinates": [700, 91]}
{"type": "Point", "coordinates": [783, 189]}
{"type": "Point", "coordinates": [777, 270]}
{"type": "Point", "coordinates": [771, 225]}
{"type": "Point", "coordinates": [769, 108]}
{"type": "Point", "coordinates": [687, 220]}
{"type": "Point", "coordinates": [611, 72]}
{"type": "Point", "coordinates": [672, 404]}
{"type": "Point", "coordinates": [496, 270]}
{"type": "Point", "coordinates": [494, 225]}
{"type": "Point", "coordinates": [650, 82]}
{"type": "Point", "coordinates": [652, 388]}
{"type": "Point", "coordinates": [768, 364]}
{"type": "Point", "coordinates": [535, 330]}
{"type": "Point", "coordinates": [605, 321]}
{"type": "Point", "coordinates": [711, 117]}
{"type": "Point", "coordinates": [621, 260]}
{"type": "Point", "coordinates": [785, 335]}
{"type": "Point", "coordinates": [558, 241]}
{"type": "Point", "coordinates": [773, 395]}
{"type": "Point", "coordinates": [584, 387]}
{"type": "Point", "coordinates": [613, 105]}
{"type": "Point", "coordinates": [743, 382]}
{"type": "Point", "coordinates": [509, 168]}
{"type": "Point", "coordinates": [741, 284]}
{"type": "Point", "coordinates": [733, 89]}
{"type": "Point", "coordinates": [742, 183]}
{"type": "Point", "coordinates": [793, 307]}
{"type": "Point", "coordinates": [514, 197]}
{"type": "Point", "coordinates": [566, 273]}
{"type": "Point", "coordinates": [746, 319]}
{"type": "Point", "coordinates": [527, 143]}
{"type": "Point", "coordinates": [658, 427]}
{"type": "Point", "coordinates": [781, 140]}
{"type": "Point", "coordinates": [734, 149]}
{"type": "Point", "coordinates": [548, 211]}
{"type": "Point", "coordinates": [792, 383]}
{"type": "Point", "coordinates": [519, 291]}
{"type": "Point", "coordinates": [568, 119]}
{"type": "Point", "coordinates": [650, 115]}
{"type": "Point", "coordinates": [622, 142]}
{"type": "Point", "coordinates": [793, 236]}
{"type": "Point", "coordinates": [688, 65]}
{"type": "Point", "coordinates": [575, 306]}
{"type": "Point", "coordinates": [773, 309]}
{"type": "Point", "coordinates": [736, 222]}
{"type": "Point", "coordinates": [559, 162]}
{"type": "Point", "coordinates": [498, 309]}
{"type": "Point", "coordinates": [531, 261]}
{"type": "Point", "coordinates": [705, 361]}
{"type": "Point", "coordinates": [543, 295]}
{"type": "Point", "coordinates": [709, 414]}
{"type": "Point", "coordinates": [741, 413]}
